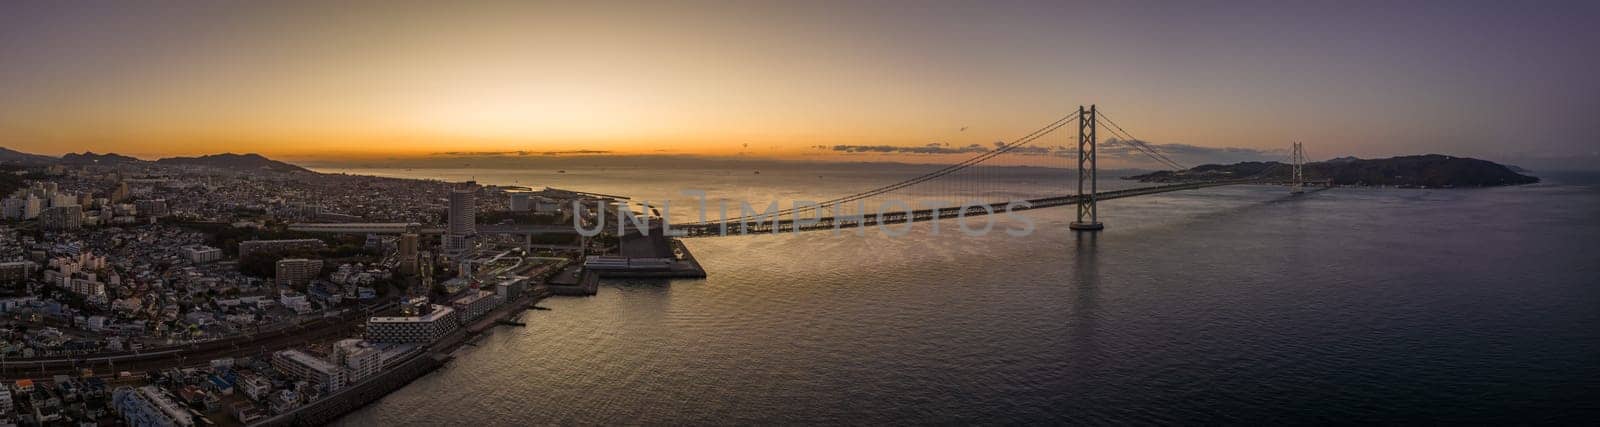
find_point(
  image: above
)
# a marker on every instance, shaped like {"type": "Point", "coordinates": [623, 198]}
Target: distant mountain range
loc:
{"type": "Point", "coordinates": [90, 158]}
{"type": "Point", "coordinates": [1431, 170]}
{"type": "Point", "coordinates": [249, 161]}
{"type": "Point", "coordinates": [231, 161]}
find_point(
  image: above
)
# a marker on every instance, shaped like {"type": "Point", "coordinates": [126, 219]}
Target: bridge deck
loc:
{"type": "Point", "coordinates": [780, 225]}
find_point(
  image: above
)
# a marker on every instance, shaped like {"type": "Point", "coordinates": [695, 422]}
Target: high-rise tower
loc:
{"type": "Point", "coordinates": [408, 254]}
{"type": "Point", "coordinates": [463, 217]}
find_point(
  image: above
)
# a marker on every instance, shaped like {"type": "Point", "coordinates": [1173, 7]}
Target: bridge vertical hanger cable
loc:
{"type": "Point", "coordinates": [1138, 144]}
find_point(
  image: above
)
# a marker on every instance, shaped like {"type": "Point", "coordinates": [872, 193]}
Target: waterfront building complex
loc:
{"type": "Point", "coordinates": [473, 305]}
{"type": "Point", "coordinates": [420, 328]}
{"type": "Point", "coordinates": [511, 288]}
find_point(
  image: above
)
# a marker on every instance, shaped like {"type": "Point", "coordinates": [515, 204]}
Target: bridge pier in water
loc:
{"type": "Point", "coordinates": [1088, 211]}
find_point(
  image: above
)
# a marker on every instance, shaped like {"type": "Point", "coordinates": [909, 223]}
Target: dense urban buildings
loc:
{"type": "Point", "coordinates": [64, 217]}
{"type": "Point", "coordinates": [16, 271]}
{"type": "Point", "coordinates": [260, 246]}
{"type": "Point", "coordinates": [201, 262]}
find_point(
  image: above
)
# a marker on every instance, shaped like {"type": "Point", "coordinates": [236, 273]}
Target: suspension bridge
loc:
{"type": "Point", "coordinates": [831, 214]}
{"type": "Point", "coordinates": [975, 175]}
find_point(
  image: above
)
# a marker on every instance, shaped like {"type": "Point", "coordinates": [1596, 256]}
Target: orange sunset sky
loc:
{"type": "Point", "coordinates": [358, 80]}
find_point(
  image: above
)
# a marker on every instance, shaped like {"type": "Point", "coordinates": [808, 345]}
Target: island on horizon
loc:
{"type": "Point", "coordinates": [1420, 171]}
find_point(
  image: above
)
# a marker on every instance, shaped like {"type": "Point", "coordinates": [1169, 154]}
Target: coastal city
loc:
{"type": "Point", "coordinates": [781, 213]}
{"type": "Point", "coordinates": [237, 290]}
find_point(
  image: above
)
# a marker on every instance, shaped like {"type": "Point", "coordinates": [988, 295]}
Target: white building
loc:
{"type": "Point", "coordinates": [96, 323]}
{"type": "Point", "coordinates": [254, 386]}
{"type": "Point", "coordinates": [62, 199]}
{"type": "Point", "coordinates": [200, 254]}
{"type": "Point", "coordinates": [295, 301]}
{"type": "Point", "coordinates": [521, 202]}
{"type": "Point", "coordinates": [546, 205]}
{"type": "Point", "coordinates": [87, 287]}
{"type": "Point", "coordinates": [359, 359]}
{"type": "Point", "coordinates": [310, 368]}
{"type": "Point", "coordinates": [511, 288]}
{"type": "Point", "coordinates": [32, 206]}
{"type": "Point", "coordinates": [474, 305]}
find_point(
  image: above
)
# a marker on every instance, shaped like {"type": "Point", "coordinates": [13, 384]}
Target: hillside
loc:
{"type": "Point", "coordinates": [9, 156]}
{"type": "Point", "coordinates": [89, 157]}
{"type": "Point", "coordinates": [9, 180]}
{"type": "Point", "coordinates": [1432, 170]}
{"type": "Point", "coordinates": [239, 162]}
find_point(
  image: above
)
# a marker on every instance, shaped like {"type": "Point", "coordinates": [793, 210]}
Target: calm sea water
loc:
{"type": "Point", "coordinates": [1227, 305]}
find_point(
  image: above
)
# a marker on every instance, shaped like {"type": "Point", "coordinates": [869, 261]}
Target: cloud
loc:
{"type": "Point", "coordinates": [563, 153]}
{"type": "Point", "coordinates": [931, 148]}
{"type": "Point", "coordinates": [520, 153]}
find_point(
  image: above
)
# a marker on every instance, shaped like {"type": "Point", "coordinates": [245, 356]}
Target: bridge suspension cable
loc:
{"type": "Point", "coordinates": [947, 170]}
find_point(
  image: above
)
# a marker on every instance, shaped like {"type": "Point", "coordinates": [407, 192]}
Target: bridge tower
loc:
{"type": "Point", "coordinates": [1297, 182]}
{"type": "Point", "coordinates": [1088, 212]}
